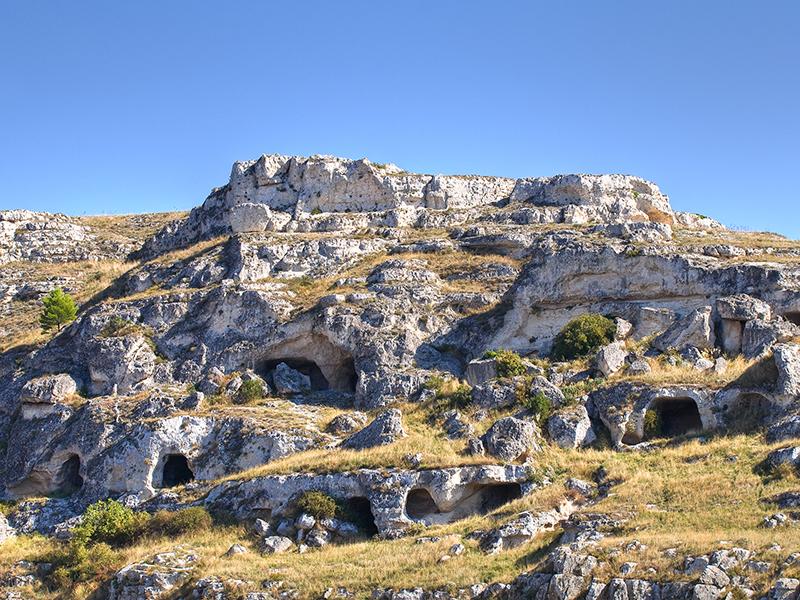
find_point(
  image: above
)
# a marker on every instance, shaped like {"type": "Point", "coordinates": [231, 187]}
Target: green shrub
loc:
{"type": "Point", "coordinates": [652, 424]}
{"type": "Point", "coordinates": [317, 504]}
{"type": "Point", "coordinates": [74, 563]}
{"type": "Point", "coordinates": [251, 390]}
{"type": "Point", "coordinates": [111, 522]}
{"type": "Point", "coordinates": [186, 520]}
{"type": "Point", "coordinates": [583, 335]}
{"type": "Point", "coordinates": [538, 404]}
{"type": "Point", "coordinates": [509, 363]}
{"type": "Point", "coordinates": [59, 309]}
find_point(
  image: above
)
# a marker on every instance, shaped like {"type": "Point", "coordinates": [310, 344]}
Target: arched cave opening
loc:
{"type": "Point", "coordinates": [176, 471]}
{"type": "Point", "coordinates": [495, 496]}
{"type": "Point", "coordinates": [747, 412]}
{"type": "Point", "coordinates": [420, 504]}
{"type": "Point", "coordinates": [69, 479]}
{"type": "Point", "coordinates": [672, 417]}
{"type": "Point", "coordinates": [359, 511]}
{"type": "Point", "coordinates": [328, 366]}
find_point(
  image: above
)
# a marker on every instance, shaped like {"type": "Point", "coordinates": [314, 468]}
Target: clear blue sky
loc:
{"type": "Point", "coordinates": [113, 107]}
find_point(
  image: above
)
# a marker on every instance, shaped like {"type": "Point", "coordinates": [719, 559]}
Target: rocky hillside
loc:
{"type": "Point", "coordinates": [338, 379]}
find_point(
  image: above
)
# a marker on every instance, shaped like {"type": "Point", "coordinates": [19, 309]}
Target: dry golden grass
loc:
{"type": "Point", "coordinates": [89, 279]}
{"type": "Point", "coordinates": [136, 227]}
{"type": "Point", "coordinates": [423, 437]}
{"type": "Point", "coordinates": [663, 373]}
{"type": "Point", "coordinates": [691, 496]}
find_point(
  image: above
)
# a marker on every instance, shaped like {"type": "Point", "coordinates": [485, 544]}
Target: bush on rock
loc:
{"type": "Point", "coordinates": [582, 336]}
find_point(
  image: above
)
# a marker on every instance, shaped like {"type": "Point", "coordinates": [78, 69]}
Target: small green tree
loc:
{"type": "Point", "coordinates": [59, 309]}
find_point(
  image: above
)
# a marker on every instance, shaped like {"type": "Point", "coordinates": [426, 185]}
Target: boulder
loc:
{"type": "Point", "coordinates": [512, 439]}
{"type": "Point", "coordinates": [787, 360]}
{"type": "Point", "coordinates": [289, 381]}
{"type": "Point", "coordinates": [386, 428]}
{"type": "Point", "coordinates": [498, 393]}
{"type": "Point", "coordinates": [571, 427]}
{"type": "Point", "coordinates": [741, 307]}
{"type": "Point", "coordinates": [694, 329]}
{"type": "Point", "coordinates": [540, 385]}
{"type": "Point", "coordinates": [275, 544]}
{"type": "Point", "coordinates": [759, 336]}
{"type": "Point", "coordinates": [347, 423]}
{"type": "Point", "coordinates": [159, 577]}
{"type": "Point", "coordinates": [611, 358]}
{"type": "Point", "coordinates": [480, 370]}
{"type": "Point", "coordinates": [455, 426]}
{"type": "Point", "coordinates": [48, 389]}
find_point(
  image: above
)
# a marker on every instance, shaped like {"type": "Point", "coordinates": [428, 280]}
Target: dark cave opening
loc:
{"type": "Point", "coordinates": [69, 479]}
{"type": "Point", "coordinates": [499, 494]}
{"type": "Point", "coordinates": [359, 511]}
{"type": "Point", "coordinates": [176, 471]}
{"type": "Point", "coordinates": [793, 316]}
{"type": "Point", "coordinates": [307, 367]}
{"type": "Point", "coordinates": [420, 504]}
{"type": "Point", "coordinates": [673, 417]}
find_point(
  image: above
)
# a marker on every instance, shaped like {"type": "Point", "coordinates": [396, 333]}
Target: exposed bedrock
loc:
{"type": "Point", "coordinates": [649, 289]}
{"type": "Point", "coordinates": [397, 499]}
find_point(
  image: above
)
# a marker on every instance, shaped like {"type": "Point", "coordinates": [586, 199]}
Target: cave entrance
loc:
{"type": "Point", "coordinates": [793, 316]}
{"type": "Point", "coordinates": [307, 367]}
{"type": "Point", "coordinates": [176, 471]}
{"type": "Point", "coordinates": [328, 366]}
{"type": "Point", "coordinates": [495, 496]}
{"type": "Point", "coordinates": [420, 504]}
{"type": "Point", "coordinates": [359, 511]}
{"type": "Point", "coordinates": [672, 417]}
{"type": "Point", "coordinates": [69, 480]}
{"type": "Point", "coordinates": [747, 412]}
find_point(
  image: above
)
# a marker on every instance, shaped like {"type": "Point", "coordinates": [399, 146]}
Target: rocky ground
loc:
{"type": "Point", "coordinates": [327, 326]}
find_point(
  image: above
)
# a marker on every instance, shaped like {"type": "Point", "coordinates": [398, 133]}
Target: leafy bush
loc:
{"type": "Point", "coordinates": [509, 363]}
{"type": "Point", "coordinates": [110, 522]}
{"type": "Point", "coordinates": [59, 309]}
{"type": "Point", "coordinates": [583, 335]}
{"type": "Point", "coordinates": [652, 424]}
{"type": "Point", "coordinates": [251, 390]}
{"type": "Point", "coordinates": [317, 504]}
{"type": "Point", "coordinates": [174, 523]}
{"type": "Point", "coordinates": [538, 404]}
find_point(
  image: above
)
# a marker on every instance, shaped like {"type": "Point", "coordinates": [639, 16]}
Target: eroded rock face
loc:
{"type": "Point", "coordinates": [385, 429]}
{"type": "Point", "coordinates": [512, 439]}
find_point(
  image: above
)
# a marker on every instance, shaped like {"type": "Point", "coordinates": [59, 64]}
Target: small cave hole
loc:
{"type": "Point", "coordinates": [495, 496]}
{"type": "Point", "coordinates": [793, 317]}
{"type": "Point", "coordinates": [420, 504]}
{"type": "Point", "coordinates": [176, 471]}
{"type": "Point", "coordinates": [359, 511]}
{"type": "Point", "coordinates": [69, 478]}
{"type": "Point", "coordinates": [672, 417]}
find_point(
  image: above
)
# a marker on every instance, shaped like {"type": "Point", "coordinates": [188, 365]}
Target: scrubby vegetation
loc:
{"type": "Point", "coordinates": [509, 363]}
{"type": "Point", "coordinates": [583, 335]}
{"type": "Point", "coordinates": [106, 530]}
{"type": "Point", "coordinates": [317, 504]}
{"type": "Point", "coordinates": [251, 390]}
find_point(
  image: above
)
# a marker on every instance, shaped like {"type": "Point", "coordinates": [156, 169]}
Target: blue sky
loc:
{"type": "Point", "coordinates": [115, 107]}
